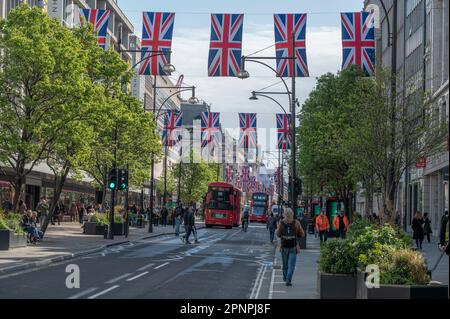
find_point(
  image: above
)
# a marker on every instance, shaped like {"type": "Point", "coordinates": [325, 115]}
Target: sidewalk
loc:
{"type": "Point", "coordinates": [304, 281]}
{"type": "Point", "coordinates": [68, 241]}
{"type": "Point", "coordinates": [431, 253]}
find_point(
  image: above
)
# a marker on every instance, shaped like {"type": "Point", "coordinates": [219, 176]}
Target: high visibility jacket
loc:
{"type": "Point", "coordinates": [322, 222]}
{"type": "Point", "coordinates": [336, 222]}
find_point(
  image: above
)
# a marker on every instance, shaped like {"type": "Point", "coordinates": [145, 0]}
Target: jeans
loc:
{"type": "Point", "coordinates": [289, 256]}
{"type": "Point", "coordinates": [342, 233]}
{"type": "Point", "coordinates": [177, 226]}
{"type": "Point", "coordinates": [272, 233]}
{"type": "Point", "coordinates": [188, 232]}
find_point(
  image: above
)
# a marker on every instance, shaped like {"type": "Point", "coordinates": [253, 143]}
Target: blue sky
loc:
{"type": "Point", "coordinates": [229, 96]}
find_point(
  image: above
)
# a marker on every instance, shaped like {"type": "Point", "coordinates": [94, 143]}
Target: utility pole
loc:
{"type": "Point", "coordinates": [152, 167]}
{"type": "Point", "coordinates": [293, 164]}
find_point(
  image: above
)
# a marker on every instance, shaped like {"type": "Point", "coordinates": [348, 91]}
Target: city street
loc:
{"type": "Point", "coordinates": [225, 264]}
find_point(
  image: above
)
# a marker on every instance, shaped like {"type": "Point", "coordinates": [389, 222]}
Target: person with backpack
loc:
{"type": "Point", "coordinates": [272, 226]}
{"type": "Point", "coordinates": [322, 225]}
{"type": "Point", "coordinates": [289, 231]}
{"type": "Point", "coordinates": [340, 223]}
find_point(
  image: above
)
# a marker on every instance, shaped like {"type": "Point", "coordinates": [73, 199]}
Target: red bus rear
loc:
{"type": "Point", "coordinates": [222, 205]}
{"type": "Point", "coordinates": [260, 207]}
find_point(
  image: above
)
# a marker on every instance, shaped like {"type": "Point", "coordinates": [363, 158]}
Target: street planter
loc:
{"type": "Point", "coordinates": [9, 240]}
{"type": "Point", "coordinates": [118, 229]}
{"type": "Point", "coordinates": [336, 286]}
{"type": "Point", "coordinates": [399, 291]}
{"type": "Point", "coordinates": [94, 229]}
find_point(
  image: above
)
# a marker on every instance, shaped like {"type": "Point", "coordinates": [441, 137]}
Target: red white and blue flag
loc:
{"type": "Point", "coordinates": [172, 124]}
{"type": "Point", "coordinates": [247, 125]}
{"type": "Point", "coordinates": [225, 48]}
{"type": "Point", "coordinates": [287, 25]}
{"type": "Point", "coordinates": [157, 33]}
{"type": "Point", "coordinates": [210, 127]}
{"type": "Point", "coordinates": [278, 179]}
{"type": "Point", "coordinates": [98, 19]}
{"type": "Point", "coordinates": [252, 186]}
{"type": "Point", "coordinates": [238, 182]}
{"type": "Point", "coordinates": [358, 40]}
{"type": "Point", "coordinates": [271, 190]}
{"type": "Point", "coordinates": [284, 133]}
{"type": "Point", "coordinates": [245, 177]}
{"type": "Point", "coordinates": [229, 174]}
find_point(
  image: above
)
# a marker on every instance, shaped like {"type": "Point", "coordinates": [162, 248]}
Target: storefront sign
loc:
{"type": "Point", "coordinates": [421, 162]}
{"type": "Point", "coordinates": [55, 9]}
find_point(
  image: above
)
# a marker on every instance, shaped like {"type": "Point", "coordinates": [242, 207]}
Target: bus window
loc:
{"type": "Point", "coordinates": [219, 198]}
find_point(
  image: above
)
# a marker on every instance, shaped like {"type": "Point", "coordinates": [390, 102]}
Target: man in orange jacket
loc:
{"type": "Point", "coordinates": [340, 223]}
{"type": "Point", "coordinates": [322, 225]}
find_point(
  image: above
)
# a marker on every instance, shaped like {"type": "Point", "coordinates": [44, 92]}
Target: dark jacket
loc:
{"type": "Point", "coordinates": [427, 226]}
{"type": "Point", "coordinates": [443, 231]}
{"type": "Point", "coordinates": [417, 228]}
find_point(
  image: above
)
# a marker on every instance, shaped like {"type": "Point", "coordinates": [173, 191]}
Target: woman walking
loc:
{"type": "Point", "coordinates": [418, 229]}
{"type": "Point", "coordinates": [427, 226]}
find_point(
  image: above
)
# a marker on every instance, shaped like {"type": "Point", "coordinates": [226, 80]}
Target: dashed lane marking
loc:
{"type": "Point", "coordinates": [160, 266]}
{"type": "Point", "coordinates": [118, 278]}
{"type": "Point", "coordinates": [83, 293]}
{"type": "Point", "coordinates": [137, 276]}
{"type": "Point", "coordinates": [145, 267]}
{"type": "Point", "coordinates": [103, 292]}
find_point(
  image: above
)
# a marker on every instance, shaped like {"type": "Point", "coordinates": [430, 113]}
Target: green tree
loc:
{"type": "Point", "coordinates": [42, 77]}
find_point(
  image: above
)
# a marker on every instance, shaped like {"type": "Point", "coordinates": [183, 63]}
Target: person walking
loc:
{"type": "Point", "coordinates": [73, 212]}
{"type": "Point", "coordinates": [178, 219]}
{"type": "Point", "coordinates": [340, 223]}
{"type": "Point", "coordinates": [22, 207]}
{"type": "Point", "coordinates": [322, 225]}
{"type": "Point", "coordinates": [443, 233]}
{"type": "Point", "coordinates": [417, 228]}
{"type": "Point", "coordinates": [427, 227]}
{"type": "Point", "coordinates": [42, 210]}
{"type": "Point", "coordinates": [272, 226]}
{"type": "Point", "coordinates": [164, 214]}
{"type": "Point", "coordinates": [189, 222]}
{"type": "Point", "coordinates": [289, 231]}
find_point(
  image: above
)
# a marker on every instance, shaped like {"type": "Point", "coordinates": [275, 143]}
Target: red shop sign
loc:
{"type": "Point", "coordinates": [421, 162]}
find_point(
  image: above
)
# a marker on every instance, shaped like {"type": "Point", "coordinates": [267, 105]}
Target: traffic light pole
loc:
{"type": "Point", "coordinates": [113, 191]}
{"type": "Point", "coordinates": [293, 101]}
{"type": "Point", "coordinates": [152, 168]}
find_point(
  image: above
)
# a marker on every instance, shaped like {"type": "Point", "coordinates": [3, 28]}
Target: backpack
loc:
{"type": "Point", "coordinates": [288, 235]}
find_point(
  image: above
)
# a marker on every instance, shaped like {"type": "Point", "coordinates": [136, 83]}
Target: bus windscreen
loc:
{"type": "Point", "coordinates": [219, 198]}
{"type": "Point", "coordinates": [259, 210]}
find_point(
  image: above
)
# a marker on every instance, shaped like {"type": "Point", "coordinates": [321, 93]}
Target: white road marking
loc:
{"type": "Point", "coordinates": [80, 294]}
{"type": "Point", "coordinates": [145, 267]}
{"type": "Point", "coordinates": [279, 282]}
{"type": "Point", "coordinates": [278, 291]}
{"type": "Point", "coordinates": [261, 281]}
{"type": "Point", "coordinates": [271, 284]}
{"type": "Point", "coordinates": [118, 278]}
{"type": "Point", "coordinates": [137, 276]}
{"type": "Point", "coordinates": [160, 266]}
{"type": "Point", "coordinates": [103, 292]}
{"type": "Point", "coordinates": [252, 294]}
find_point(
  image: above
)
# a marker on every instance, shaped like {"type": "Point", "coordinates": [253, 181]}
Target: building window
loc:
{"type": "Point", "coordinates": [411, 5]}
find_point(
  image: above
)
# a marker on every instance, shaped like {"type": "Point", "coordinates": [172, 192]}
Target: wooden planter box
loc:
{"type": "Point", "coordinates": [336, 286]}
{"type": "Point", "coordinates": [9, 240]}
{"type": "Point", "coordinates": [399, 291]}
{"type": "Point", "coordinates": [94, 229]}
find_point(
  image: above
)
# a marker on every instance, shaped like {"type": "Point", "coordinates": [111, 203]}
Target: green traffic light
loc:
{"type": "Point", "coordinates": [112, 185]}
{"type": "Point", "coordinates": [123, 186]}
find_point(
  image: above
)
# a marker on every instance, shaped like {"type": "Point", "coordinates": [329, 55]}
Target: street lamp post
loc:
{"type": "Point", "coordinates": [243, 74]}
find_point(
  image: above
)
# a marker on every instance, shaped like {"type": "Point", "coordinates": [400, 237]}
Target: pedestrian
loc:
{"type": "Point", "coordinates": [164, 214]}
{"type": "Point", "coordinates": [189, 222]}
{"type": "Point", "coordinates": [272, 226]}
{"type": "Point", "coordinates": [322, 225]}
{"type": "Point", "coordinates": [443, 233]}
{"type": "Point", "coordinates": [56, 214]}
{"type": "Point", "coordinates": [427, 227]}
{"type": "Point", "coordinates": [418, 229]}
{"type": "Point", "coordinates": [42, 211]}
{"type": "Point", "coordinates": [340, 223]}
{"type": "Point", "coordinates": [290, 231]}
{"type": "Point", "coordinates": [81, 210]}
{"type": "Point", "coordinates": [22, 207]}
{"type": "Point", "coordinates": [178, 218]}
{"type": "Point", "coordinates": [73, 212]}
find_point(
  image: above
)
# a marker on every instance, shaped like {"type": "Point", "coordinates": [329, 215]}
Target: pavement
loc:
{"type": "Point", "coordinates": [431, 253]}
{"type": "Point", "coordinates": [67, 241]}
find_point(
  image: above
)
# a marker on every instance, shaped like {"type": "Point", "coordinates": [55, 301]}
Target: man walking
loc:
{"type": "Point", "coordinates": [189, 222]}
{"type": "Point", "coordinates": [42, 210]}
{"type": "Point", "coordinates": [178, 218]}
{"type": "Point", "coordinates": [290, 231]}
{"type": "Point", "coordinates": [164, 214]}
{"type": "Point", "coordinates": [340, 223]}
{"type": "Point", "coordinates": [322, 225]}
{"type": "Point", "coordinates": [272, 226]}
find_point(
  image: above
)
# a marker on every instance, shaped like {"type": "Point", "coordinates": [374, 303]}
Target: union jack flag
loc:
{"type": "Point", "coordinates": [271, 190]}
{"type": "Point", "coordinates": [245, 177]}
{"type": "Point", "coordinates": [284, 133]}
{"type": "Point", "coordinates": [238, 182]}
{"type": "Point", "coordinates": [285, 26]}
{"type": "Point", "coordinates": [156, 36]}
{"type": "Point", "coordinates": [210, 127]}
{"type": "Point", "coordinates": [172, 124]}
{"type": "Point", "coordinates": [98, 19]}
{"type": "Point", "coordinates": [247, 125]}
{"type": "Point", "coordinates": [252, 186]}
{"type": "Point", "coordinates": [358, 40]}
{"type": "Point", "coordinates": [229, 174]}
{"type": "Point", "coordinates": [278, 179]}
{"type": "Point", "coordinates": [225, 48]}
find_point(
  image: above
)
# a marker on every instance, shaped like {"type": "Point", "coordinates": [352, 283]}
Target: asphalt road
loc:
{"type": "Point", "coordinates": [226, 264]}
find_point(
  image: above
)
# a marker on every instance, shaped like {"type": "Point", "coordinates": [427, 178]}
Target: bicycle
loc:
{"type": "Point", "coordinates": [245, 225]}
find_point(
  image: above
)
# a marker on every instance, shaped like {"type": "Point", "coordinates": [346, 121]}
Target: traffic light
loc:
{"type": "Point", "coordinates": [123, 179]}
{"type": "Point", "coordinates": [112, 179]}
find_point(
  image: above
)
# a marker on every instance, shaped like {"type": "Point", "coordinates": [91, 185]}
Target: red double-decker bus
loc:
{"type": "Point", "coordinates": [222, 205]}
{"type": "Point", "coordinates": [260, 207]}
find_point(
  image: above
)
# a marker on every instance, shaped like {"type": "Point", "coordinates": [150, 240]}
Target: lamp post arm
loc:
{"type": "Point", "coordinates": [390, 33]}
{"type": "Point", "coordinates": [271, 98]}
{"type": "Point", "coordinates": [168, 98]}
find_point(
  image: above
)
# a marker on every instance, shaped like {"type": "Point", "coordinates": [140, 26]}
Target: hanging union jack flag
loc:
{"type": "Point", "coordinates": [98, 19]}
{"type": "Point", "coordinates": [287, 25]}
{"type": "Point", "coordinates": [156, 36]}
{"type": "Point", "coordinates": [172, 124]}
{"type": "Point", "coordinates": [252, 186]}
{"type": "Point", "coordinates": [247, 125]}
{"type": "Point", "coordinates": [245, 177]}
{"type": "Point", "coordinates": [284, 133]}
{"type": "Point", "coordinates": [210, 127]}
{"type": "Point", "coordinates": [229, 174]}
{"type": "Point", "coordinates": [225, 48]}
{"type": "Point", "coordinates": [358, 40]}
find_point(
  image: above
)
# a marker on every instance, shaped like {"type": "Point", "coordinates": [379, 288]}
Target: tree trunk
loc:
{"type": "Point", "coordinates": [59, 184]}
{"type": "Point", "coordinates": [17, 185]}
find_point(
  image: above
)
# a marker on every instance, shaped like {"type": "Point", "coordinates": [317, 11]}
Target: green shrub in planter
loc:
{"type": "Point", "coordinates": [358, 227]}
{"type": "Point", "coordinates": [11, 222]}
{"type": "Point", "coordinates": [99, 218]}
{"type": "Point", "coordinates": [338, 257]}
